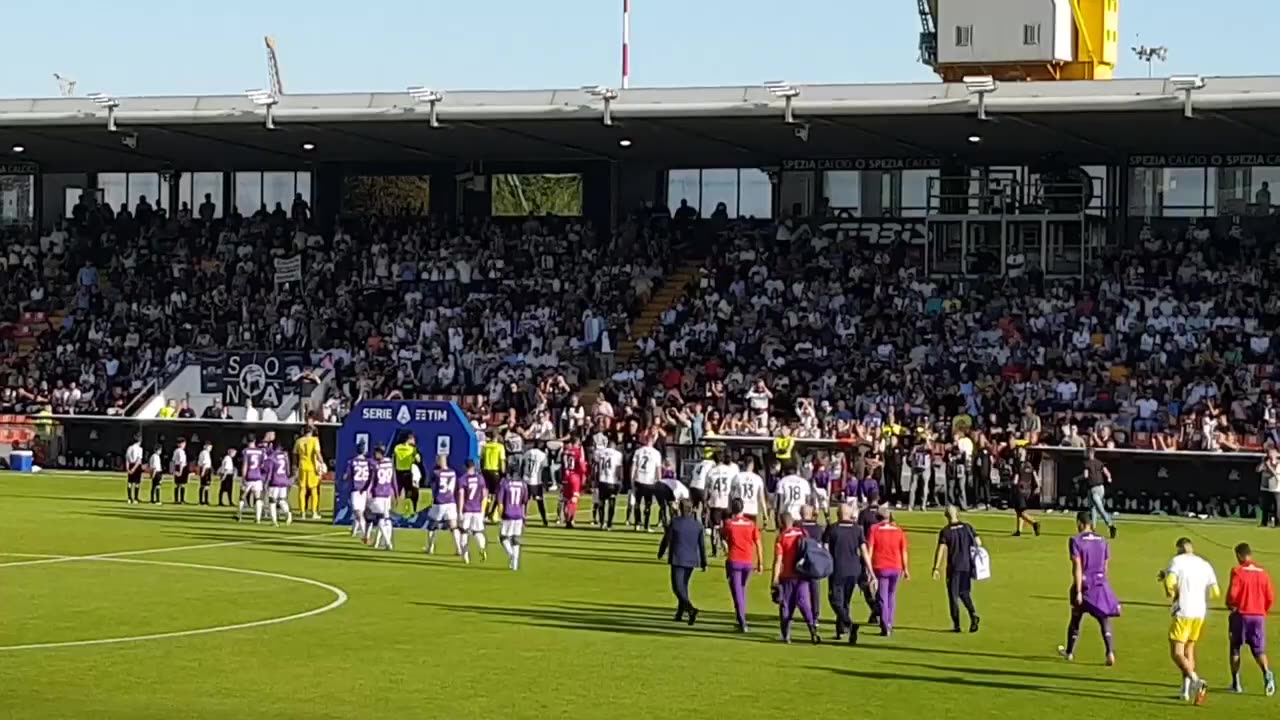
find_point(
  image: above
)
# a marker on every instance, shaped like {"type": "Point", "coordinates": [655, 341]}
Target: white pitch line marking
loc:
{"type": "Point", "coordinates": [49, 559]}
{"type": "Point", "coordinates": [340, 599]}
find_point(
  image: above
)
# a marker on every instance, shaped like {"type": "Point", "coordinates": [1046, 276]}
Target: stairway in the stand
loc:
{"type": "Point", "coordinates": [673, 286]}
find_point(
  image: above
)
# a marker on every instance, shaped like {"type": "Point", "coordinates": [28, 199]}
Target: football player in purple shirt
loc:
{"type": "Point", "coordinates": [472, 494]}
{"type": "Point", "coordinates": [444, 505]}
{"type": "Point", "coordinates": [251, 465]}
{"type": "Point", "coordinates": [359, 473]}
{"type": "Point", "coordinates": [512, 496]}
{"type": "Point", "coordinates": [279, 480]}
{"type": "Point", "coordinates": [382, 495]}
{"type": "Point", "coordinates": [1091, 592]}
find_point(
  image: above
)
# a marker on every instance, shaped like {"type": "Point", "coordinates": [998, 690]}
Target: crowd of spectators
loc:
{"type": "Point", "coordinates": [1170, 343]}
{"type": "Point", "coordinates": [516, 312]}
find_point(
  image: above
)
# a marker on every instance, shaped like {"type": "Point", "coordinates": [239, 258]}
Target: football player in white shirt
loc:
{"type": "Point", "coordinates": [646, 468]}
{"type": "Point", "coordinates": [1189, 581]}
{"type": "Point", "coordinates": [748, 487]}
{"type": "Point", "coordinates": [532, 463]}
{"type": "Point", "coordinates": [793, 493]}
{"type": "Point", "coordinates": [226, 476]}
{"type": "Point", "coordinates": [719, 481]}
{"type": "Point", "coordinates": [178, 466]}
{"type": "Point", "coordinates": [608, 470]}
{"type": "Point", "coordinates": [204, 466]}
{"type": "Point", "coordinates": [157, 475]}
{"type": "Point", "coordinates": [698, 484]}
{"type": "Point", "coordinates": [133, 469]}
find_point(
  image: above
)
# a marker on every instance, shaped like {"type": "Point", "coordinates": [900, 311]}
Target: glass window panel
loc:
{"type": "Point", "coordinates": [70, 196]}
{"type": "Point", "coordinates": [1143, 184]}
{"type": "Point", "coordinates": [1265, 179]}
{"type": "Point", "coordinates": [303, 187]}
{"type": "Point", "coordinates": [914, 195]}
{"type": "Point", "coordinates": [539, 194]}
{"type": "Point", "coordinates": [184, 192]}
{"type": "Point", "coordinates": [755, 194]}
{"type": "Point", "coordinates": [144, 185]}
{"type": "Point", "coordinates": [114, 188]}
{"type": "Point", "coordinates": [1182, 192]}
{"type": "Point", "coordinates": [843, 189]}
{"type": "Point", "coordinates": [277, 188]}
{"type": "Point", "coordinates": [684, 185]}
{"type": "Point", "coordinates": [1097, 184]}
{"type": "Point", "coordinates": [17, 199]}
{"type": "Point", "coordinates": [206, 183]}
{"type": "Point", "coordinates": [248, 192]}
{"type": "Point", "coordinates": [720, 186]}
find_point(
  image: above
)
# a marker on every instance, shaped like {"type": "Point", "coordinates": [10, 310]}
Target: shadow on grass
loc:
{"type": "Point", "coordinates": [620, 620]}
{"type": "Point", "coordinates": [1103, 676]}
{"type": "Point", "coordinates": [981, 679]}
{"type": "Point", "coordinates": [635, 559]}
{"type": "Point", "coordinates": [895, 648]}
{"type": "Point", "coordinates": [1132, 603]}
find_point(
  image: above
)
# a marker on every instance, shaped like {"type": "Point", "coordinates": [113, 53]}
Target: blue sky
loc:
{"type": "Point", "coordinates": [188, 47]}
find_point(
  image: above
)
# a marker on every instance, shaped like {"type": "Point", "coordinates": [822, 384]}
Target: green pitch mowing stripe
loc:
{"type": "Point", "coordinates": [584, 630]}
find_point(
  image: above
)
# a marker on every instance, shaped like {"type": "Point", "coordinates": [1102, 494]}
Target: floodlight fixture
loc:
{"type": "Point", "coordinates": [788, 93]}
{"type": "Point", "coordinates": [431, 98]}
{"type": "Point", "coordinates": [110, 103]}
{"type": "Point", "coordinates": [607, 95]}
{"type": "Point", "coordinates": [1186, 84]}
{"type": "Point", "coordinates": [268, 101]}
{"type": "Point", "coordinates": [980, 85]}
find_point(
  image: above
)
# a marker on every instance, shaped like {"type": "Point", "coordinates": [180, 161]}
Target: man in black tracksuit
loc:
{"type": "Point", "coordinates": [850, 562]}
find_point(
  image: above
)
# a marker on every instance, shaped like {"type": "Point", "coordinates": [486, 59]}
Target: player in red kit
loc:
{"type": "Point", "coordinates": [573, 462]}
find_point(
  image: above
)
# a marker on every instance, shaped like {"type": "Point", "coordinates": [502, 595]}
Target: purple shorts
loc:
{"type": "Point", "coordinates": [1248, 630]}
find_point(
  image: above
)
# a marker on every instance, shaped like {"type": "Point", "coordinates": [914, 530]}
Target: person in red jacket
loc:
{"type": "Point", "coordinates": [887, 542]}
{"type": "Point", "coordinates": [573, 463]}
{"type": "Point", "coordinates": [1250, 596]}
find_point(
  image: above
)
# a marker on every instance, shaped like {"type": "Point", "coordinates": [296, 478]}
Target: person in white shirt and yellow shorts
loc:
{"type": "Point", "coordinates": [1189, 581]}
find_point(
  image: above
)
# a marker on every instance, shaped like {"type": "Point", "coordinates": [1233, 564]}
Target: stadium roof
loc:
{"type": "Point", "coordinates": [1102, 120]}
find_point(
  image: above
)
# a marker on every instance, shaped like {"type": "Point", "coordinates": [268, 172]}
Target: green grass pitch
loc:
{"type": "Point", "coordinates": [583, 630]}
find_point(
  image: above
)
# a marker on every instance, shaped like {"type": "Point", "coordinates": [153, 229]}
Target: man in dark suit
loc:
{"type": "Point", "coordinates": [683, 545]}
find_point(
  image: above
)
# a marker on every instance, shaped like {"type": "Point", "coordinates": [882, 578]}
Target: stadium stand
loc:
{"type": "Point", "coordinates": [1170, 343]}
{"type": "Point", "coordinates": [105, 308]}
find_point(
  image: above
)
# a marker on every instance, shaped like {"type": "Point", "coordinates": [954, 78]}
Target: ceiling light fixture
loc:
{"type": "Point", "coordinates": [19, 149]}
{"type": "Point", "coordinates": [308, 146]}
{"type": "Point", "coordinates": [624, 142]}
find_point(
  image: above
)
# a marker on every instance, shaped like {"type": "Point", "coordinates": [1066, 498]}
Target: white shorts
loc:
{"type": "Point", "coordinates": [277, 493]}
{"type": "Point", "coordinates": [359, 501]}
{"type": "Point", "coordinates": [443, 514]}
{"type": "Point", "coordinates": [792, 510]}
{"type": "Point", "coordinates": [252, 487]}
{"type": "Point", "coordinates": [718, 503]}
{"type": "Point", "coordinates": [511, 528]}
{"type": "Point", "coordinates": [473, 522]}
{"type": "Point", "coordinates": [380, 506]}
{"type": "Point", "coordinates": [823, 497]}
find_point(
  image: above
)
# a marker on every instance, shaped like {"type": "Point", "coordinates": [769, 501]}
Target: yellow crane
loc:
{"type": "Point", "coordinates": [1013, 40]}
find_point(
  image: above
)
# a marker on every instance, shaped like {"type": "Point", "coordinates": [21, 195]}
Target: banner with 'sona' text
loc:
{"type": "Point", "coordinates": [288, 269]}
